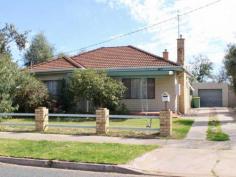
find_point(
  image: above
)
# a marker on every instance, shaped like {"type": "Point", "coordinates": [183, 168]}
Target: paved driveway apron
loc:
{"type": "Point", "coordinates": [195, 156]}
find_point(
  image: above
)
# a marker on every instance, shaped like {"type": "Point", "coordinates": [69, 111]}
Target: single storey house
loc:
{"type": "Point", "coordinates": [145, 75]}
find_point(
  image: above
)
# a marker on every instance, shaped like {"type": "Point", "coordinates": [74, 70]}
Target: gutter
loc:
{"type": "Point", "coordinates": [60, 70]}
{"type": "Point", "coordinates": [151, 68]}
{"type": "Point", "coordinates": [162, 70]}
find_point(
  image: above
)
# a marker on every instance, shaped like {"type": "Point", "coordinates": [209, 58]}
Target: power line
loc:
{"type": "Point", "coordinates": [143, 28]}
{"type": "Point", "coordinates": [201, 7]}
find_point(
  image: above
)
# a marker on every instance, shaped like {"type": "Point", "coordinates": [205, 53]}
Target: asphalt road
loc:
{"type": "Point", "coordinates": [9, 170]}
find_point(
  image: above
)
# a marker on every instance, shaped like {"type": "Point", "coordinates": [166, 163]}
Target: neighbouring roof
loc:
{"type": "Point", "coordinates": [105, 58]}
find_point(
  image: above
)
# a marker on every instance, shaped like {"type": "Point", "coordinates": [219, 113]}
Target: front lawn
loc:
{"type": "Point", "coordinates": [214, 132]}
{"type": "Point", "coordinates": [180, 127]}
{"type": "Point", "coordinates": [73, 151]}
{"type": "Point", "coordinates": [139, 122]}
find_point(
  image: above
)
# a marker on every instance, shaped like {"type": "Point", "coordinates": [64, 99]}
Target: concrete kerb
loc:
{"type": "Point", "coordinates": [70, 165]}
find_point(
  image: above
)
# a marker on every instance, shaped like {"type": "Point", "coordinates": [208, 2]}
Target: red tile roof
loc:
{"type": "Point", "coordinates": [107, 57]}
{"type": "Point", "coordinates": [60, 63]}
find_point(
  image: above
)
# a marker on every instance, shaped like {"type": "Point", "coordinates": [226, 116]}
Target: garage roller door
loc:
{"type": "Point", "coordinates": [210, 97]}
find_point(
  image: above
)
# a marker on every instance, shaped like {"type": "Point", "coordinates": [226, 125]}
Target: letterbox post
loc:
{"type": "Point", "coordinates": [165, 117]}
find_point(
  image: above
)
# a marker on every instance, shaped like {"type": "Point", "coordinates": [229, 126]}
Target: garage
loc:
{"type": "Point", "coordinates": [210, 97]}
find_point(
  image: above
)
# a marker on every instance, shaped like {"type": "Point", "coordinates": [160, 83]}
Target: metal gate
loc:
{"type": "Point", "coordinates": [210, 97]}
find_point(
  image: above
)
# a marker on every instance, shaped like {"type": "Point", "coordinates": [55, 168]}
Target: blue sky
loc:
{"type": "Point", "coordinates": [70, 25]}
{"type": "Point", "coordinates": [73, 24]}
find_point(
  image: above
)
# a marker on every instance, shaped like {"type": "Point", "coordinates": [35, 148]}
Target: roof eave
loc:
{"type": "Point", "coordinates": [171, 68]}
{"type": "Point", "coordinates": [147, 71]}
{"type": "Point", "coordinates": [166, 70]}
{"type": "Point", "coordinates": [61, 70]}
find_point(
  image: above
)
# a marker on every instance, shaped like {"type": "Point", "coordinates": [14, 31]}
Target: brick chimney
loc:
{"type": "Point", "coordinates": [180, 51]}
{"type": "Point", "coordinates": [182, 78]}
{"type": "Point", "coordinates": [166, 54]}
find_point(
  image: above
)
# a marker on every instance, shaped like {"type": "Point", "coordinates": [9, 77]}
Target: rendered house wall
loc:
{"type": "Point", "coordinates": [162, 84]}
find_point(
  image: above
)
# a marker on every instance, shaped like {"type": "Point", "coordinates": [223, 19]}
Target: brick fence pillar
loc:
{"type": "Point", "coordinates": [41, 119]}
{"type": "Point", "coordinates": [102, 120]}
{"type": "Point", "coordinates": [166, 123]}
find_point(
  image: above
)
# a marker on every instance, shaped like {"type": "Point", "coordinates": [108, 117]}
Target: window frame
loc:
{"type": "Point", "coordinates": [152, 79]}
{"type": "Point", "coordinates": [58, 89]}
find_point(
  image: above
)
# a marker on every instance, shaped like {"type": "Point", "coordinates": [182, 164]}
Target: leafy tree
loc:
{"type": "Point", "coordinates": [230, 64]}
{"type": "Point", "coordinates": [201, 68]}
{"type": "Point", "coordinates": [18, 89]}
{"type": "Point", "coordinates": [40, 50]}
{"type": "Point", "coordinates": [221, 76]}
{"type": "Point", "coordinates": [61, 54]}
{"type": "Point", "coordinates": [8, 35]}
{"type": "Point", "coordinates": [96, 87]}
{"type": "Point", "coordinates": [8, 78]}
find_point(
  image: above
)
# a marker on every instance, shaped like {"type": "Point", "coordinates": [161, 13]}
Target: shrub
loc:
{"type": "Point", "coordinates": [94, 86]}
{"type": "Point", "coordinates": [30, 94]}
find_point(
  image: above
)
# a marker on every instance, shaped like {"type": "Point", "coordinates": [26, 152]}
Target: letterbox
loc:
{"type": "Point", "coordinates": [165, 97]}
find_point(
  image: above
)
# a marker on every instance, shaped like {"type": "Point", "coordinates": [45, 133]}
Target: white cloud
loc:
{"type": "Point", "coordinates": [206, 31]}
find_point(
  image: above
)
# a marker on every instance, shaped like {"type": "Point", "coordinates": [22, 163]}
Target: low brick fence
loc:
{"type": "Point", "coordinates": [102, 121]}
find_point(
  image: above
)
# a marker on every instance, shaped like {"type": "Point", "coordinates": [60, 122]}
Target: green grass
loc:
{"type": "Point", "coordinates": [73, 151]}
{"type": "Point", "coordinates": [214, 132]}
{"type": "Point", "coordinates": [180, 127]}
{"type": "Point", "coordinates": [134, 123]}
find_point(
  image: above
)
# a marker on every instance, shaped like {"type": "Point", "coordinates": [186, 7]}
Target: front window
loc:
{"type": "Point", "coordinates": [54, 87]}
{"type": "Point", "coordinates": [139, 88]}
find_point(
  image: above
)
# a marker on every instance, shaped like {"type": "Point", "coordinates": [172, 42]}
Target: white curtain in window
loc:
{"type": "Point", "coordinates": [143, 87]}
{"type": "Point", "coordinates": [139, 88]}
{"type": "Point", "coordinates": [135, 88]}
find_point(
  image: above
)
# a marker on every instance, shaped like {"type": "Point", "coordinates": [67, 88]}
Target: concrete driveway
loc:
{"type": "Point", "coordinates": [188, 162]}
{"type": "Point", "coordinates": [227, 117]}
{"type": "Point", "coordinates": [195, 156]}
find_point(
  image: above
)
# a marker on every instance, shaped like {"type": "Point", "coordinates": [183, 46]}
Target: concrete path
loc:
{"type": "Point", "coordinates": [200, 125]}
{"type": "Point", "coordinates": [78, 138]}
